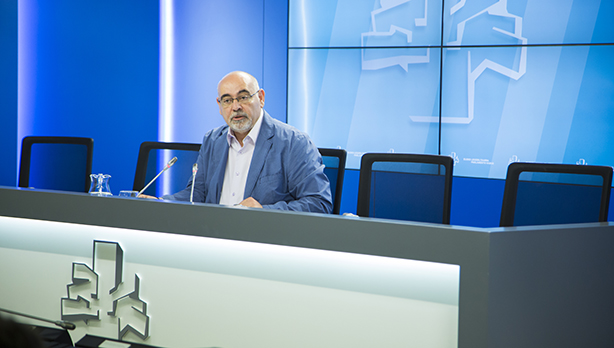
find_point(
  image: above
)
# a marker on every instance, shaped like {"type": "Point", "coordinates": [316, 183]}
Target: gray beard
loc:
{"type": "Point", "coordinates": [241, 126]}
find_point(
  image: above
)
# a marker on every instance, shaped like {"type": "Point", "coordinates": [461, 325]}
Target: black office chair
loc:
{"type": "Point", "coordinates": [405, 187]}
{"type": "Point", "coordinates": [334, 168]}
{"type": "Point", "coordinates": [543, 193]}
{"type": "Point", "coordinates": [153, 156]}
{"type": "Point", "coordinates": [56, 163]}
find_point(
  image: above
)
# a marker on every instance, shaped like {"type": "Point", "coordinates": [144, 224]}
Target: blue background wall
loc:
{"type": "Point", "coordinates": [8, 91]}
{"type": "Point", "coordinates": [210, 43]}
{"type": "Point", "coordinates": [92, 69]}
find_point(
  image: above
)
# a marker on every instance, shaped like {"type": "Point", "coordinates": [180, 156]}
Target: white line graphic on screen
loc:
{"type": "Point", "coordinates": [498, 9]}
{"type": "Point", "coordinates": [385, 38]}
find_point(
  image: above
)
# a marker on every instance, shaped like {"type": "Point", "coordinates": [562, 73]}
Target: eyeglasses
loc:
{"type": "Point", "coordinates": [243, 99]}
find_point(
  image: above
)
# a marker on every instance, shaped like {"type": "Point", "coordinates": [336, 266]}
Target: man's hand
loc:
{"type": "Point", "coordinates": [251, 202]}
{"type": "Point", "coordinates": [146, 196]}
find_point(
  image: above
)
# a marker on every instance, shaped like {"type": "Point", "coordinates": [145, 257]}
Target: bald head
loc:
{"type": "Point", "coordinates": [239, 77]}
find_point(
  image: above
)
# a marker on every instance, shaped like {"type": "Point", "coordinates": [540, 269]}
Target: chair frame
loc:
{"type": "Point", "coordinates": [366, 166]}
{"type": "Point", "coordinates": [508, 208]}
{"type": "Point", "coordinates": [342, 156]}
{"type": "Point", "coordinates": [143, 158]}
{"type": "Point", "coordinates": [26, 155]}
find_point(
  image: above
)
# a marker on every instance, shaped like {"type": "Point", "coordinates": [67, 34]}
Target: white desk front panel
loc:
{"type": "Point", "coordinates": [206, 292]}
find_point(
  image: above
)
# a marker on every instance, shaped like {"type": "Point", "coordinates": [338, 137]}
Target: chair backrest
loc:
{"type": "Point", "coordinates": [544, 193]}
{"type": "Point", "coordinates": [334, 168]}
{"type": "Point", "coordinates": [400, 186]}
{"type": "Point", "coordinates": [56, 163]}
{"type": "Point", "coordinates": [153, 156]}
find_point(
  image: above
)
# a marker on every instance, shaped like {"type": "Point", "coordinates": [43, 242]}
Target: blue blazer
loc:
{"type": "Point", "coordinates": [286, 171]}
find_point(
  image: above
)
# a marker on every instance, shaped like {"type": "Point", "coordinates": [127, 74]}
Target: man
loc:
{"type": "Point", "coordinates": [255, 160]}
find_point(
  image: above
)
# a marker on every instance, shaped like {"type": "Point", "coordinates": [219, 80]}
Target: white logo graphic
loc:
{"type": "Point", "coordinates": [455, 157]}
{"type": "Point", "coordinates": [388, 35]}
{"type": "Point", "coordinates": [499, 9]}
{"type": "Point", "coordinates": [395, 31]}
{"type": "Point", "coordinates": [84, 301]}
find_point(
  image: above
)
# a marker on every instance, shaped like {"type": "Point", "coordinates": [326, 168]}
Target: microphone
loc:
{"type": "Point", "coordinates": [194, 170]}
{"type": "Point", "coordinates": [168, 165]}
{"type": "Point", "coordinates": [67, 325]}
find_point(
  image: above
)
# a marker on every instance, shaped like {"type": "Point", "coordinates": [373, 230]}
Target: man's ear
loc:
{"type": "Point", "coordinates": [261, 95]}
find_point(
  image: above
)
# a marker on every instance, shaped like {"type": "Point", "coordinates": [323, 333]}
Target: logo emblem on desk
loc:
{"type": "Point", "coordinates": [87, 295]}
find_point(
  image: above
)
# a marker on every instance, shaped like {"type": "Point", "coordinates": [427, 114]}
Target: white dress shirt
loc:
{"type": "Point", "coordinates": [237, 166]}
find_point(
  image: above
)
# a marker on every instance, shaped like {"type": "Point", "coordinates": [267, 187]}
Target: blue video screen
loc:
{"type": "Point", "coordinates": [486, 82]}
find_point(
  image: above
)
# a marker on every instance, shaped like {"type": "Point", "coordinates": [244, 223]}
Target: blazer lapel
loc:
{"type": "Point", "coordinates": [261, 152]}
{"type": "Point", "coordinates": [220, 157]}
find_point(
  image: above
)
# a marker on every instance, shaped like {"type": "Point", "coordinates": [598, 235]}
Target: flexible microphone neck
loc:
{"type": "Point", "coordinates": [67, 325]}
{"type": "Point", "coordinates": [194, 170]}
{"type": "Point", "coordinates": [168, 165]}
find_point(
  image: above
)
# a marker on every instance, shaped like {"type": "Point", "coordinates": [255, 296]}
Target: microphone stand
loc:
{"type": "Point", "coordinates": [67, 325]}
{"type": "Point", "coordinates": [194, 170]}
{"type": "Point", "coordinates": [168, 165]}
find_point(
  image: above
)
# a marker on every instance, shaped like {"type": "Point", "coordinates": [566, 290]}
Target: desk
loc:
{"type": "Point", "coordinates": [519, 287]}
